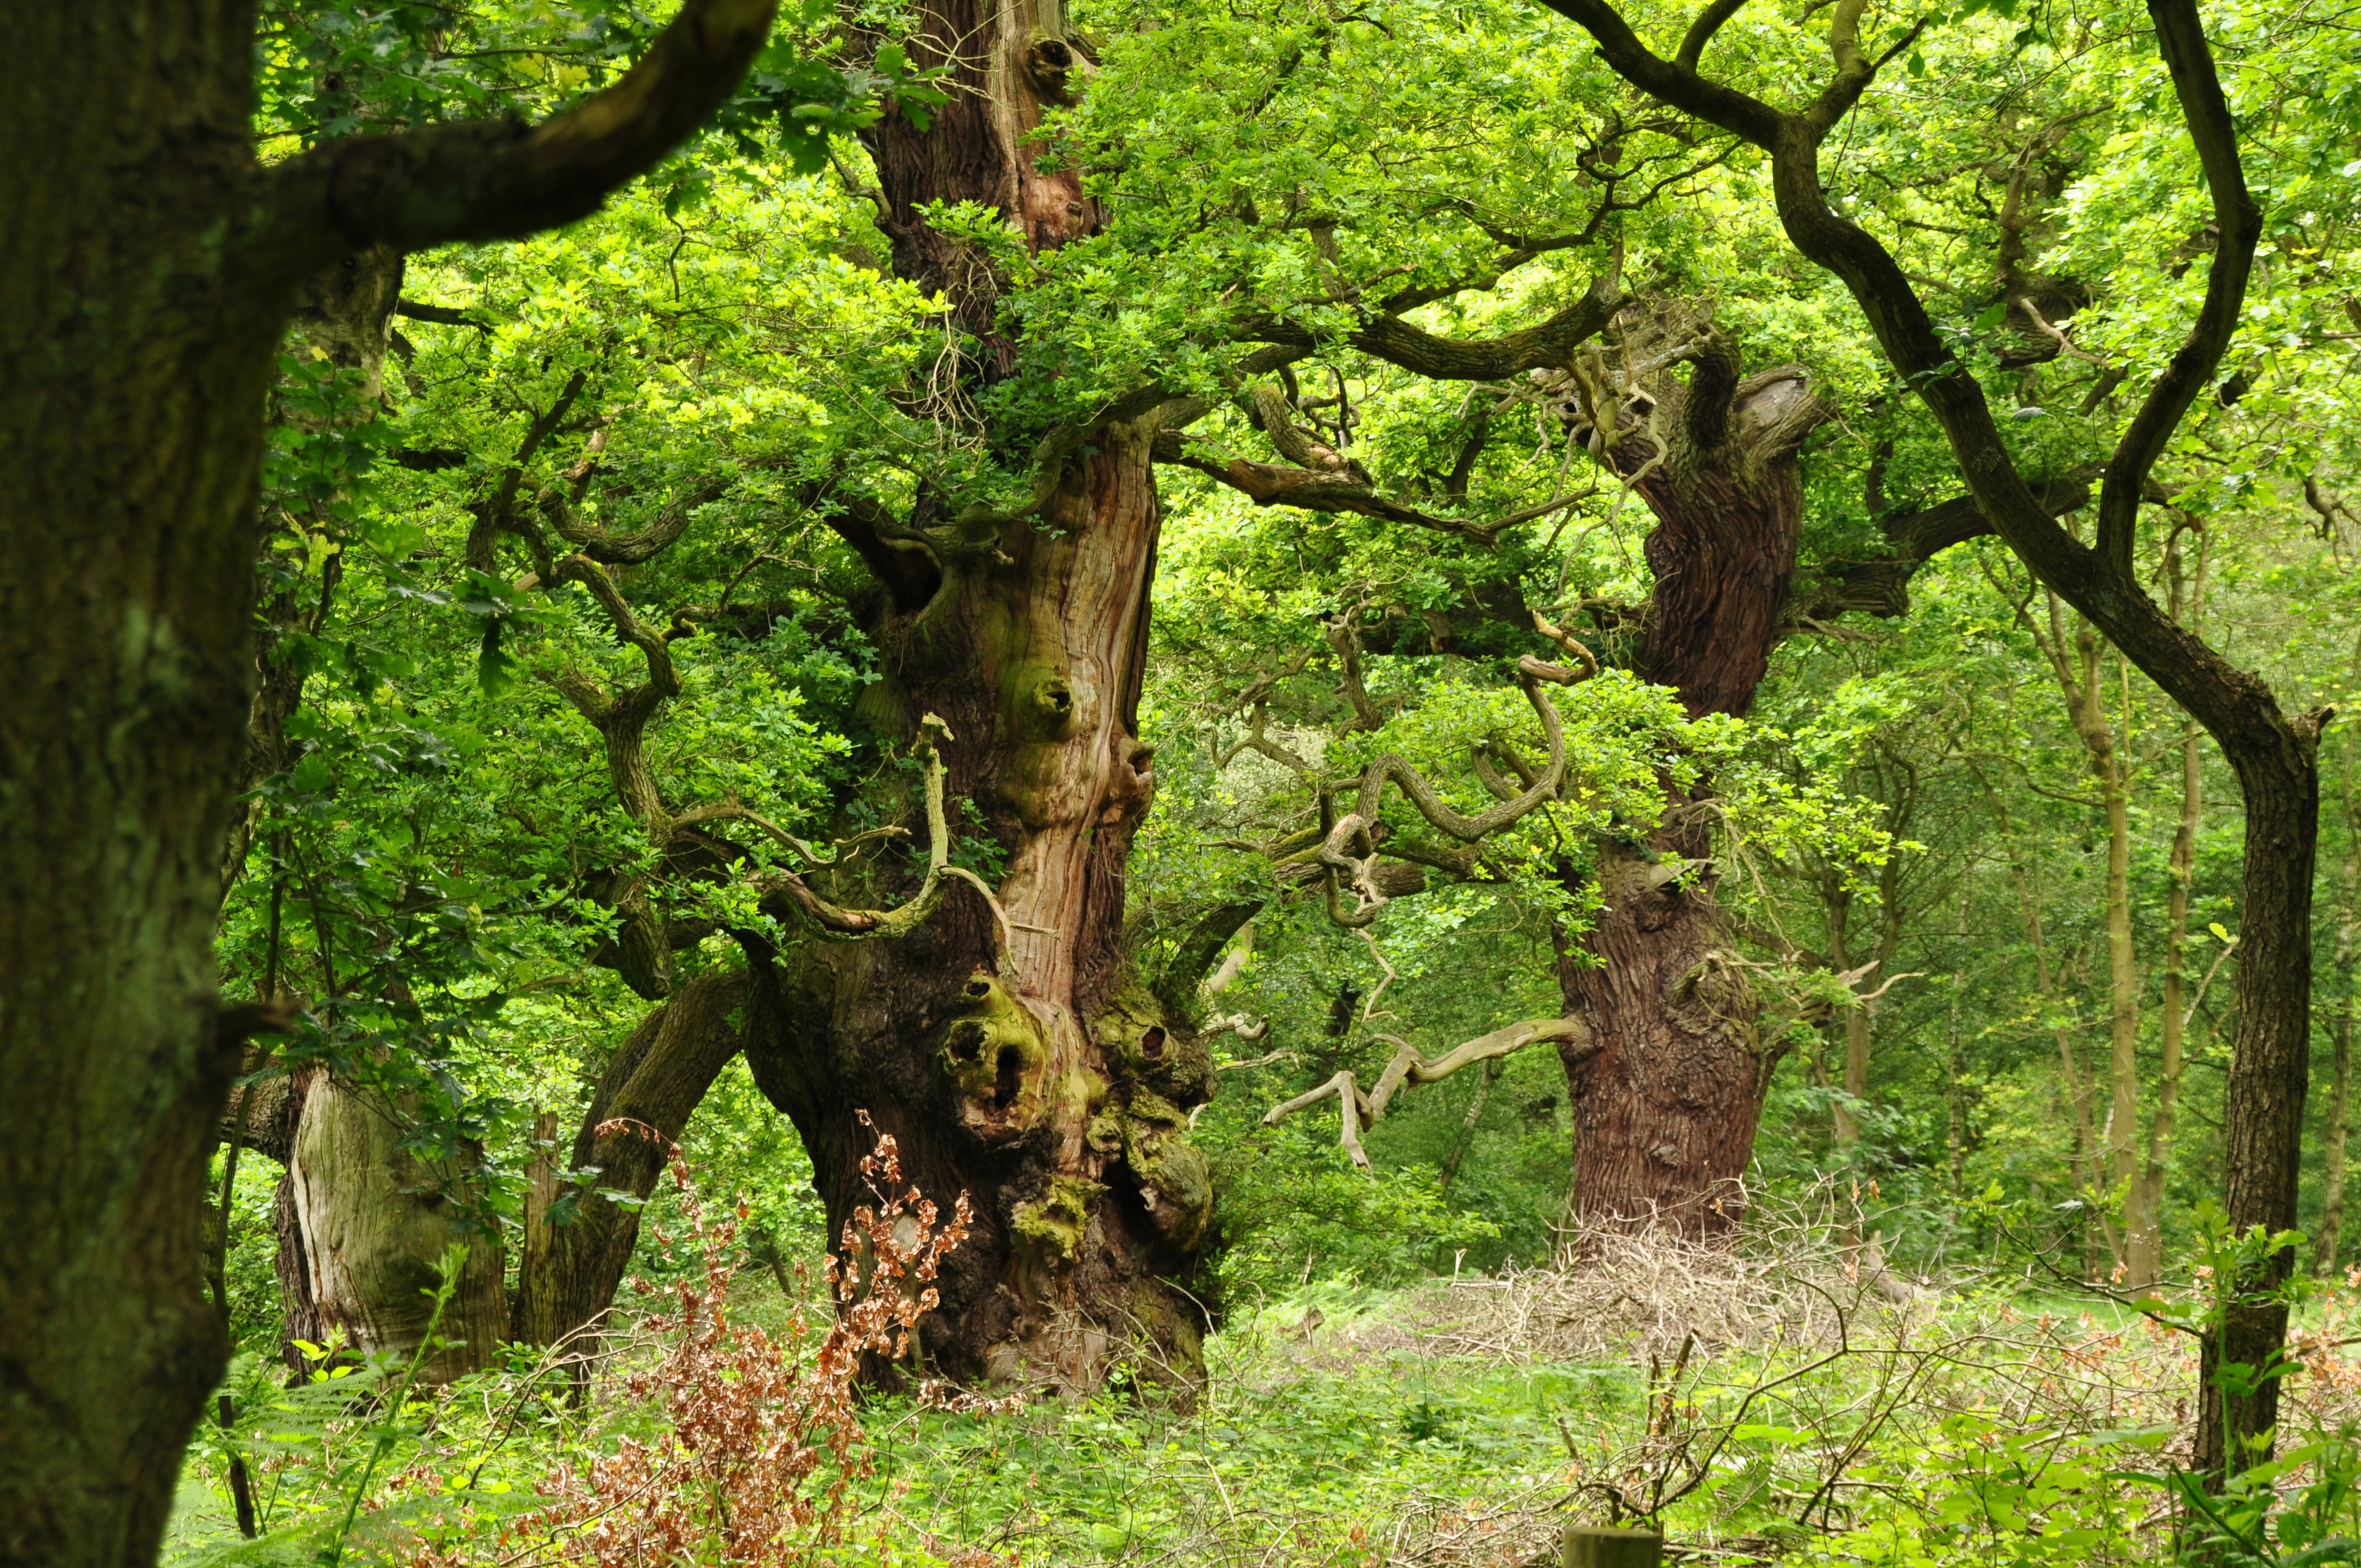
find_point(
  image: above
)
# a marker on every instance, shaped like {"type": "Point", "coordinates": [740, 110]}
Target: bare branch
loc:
{"type": "Point", "coordinates": [833, 923]}
{"type": "Point", "coordinates": [1358, 1111]}
{"type": "Point", "coordinates": [2238, 224]}
{"type": "Point", "coordinates": [1359, 827]}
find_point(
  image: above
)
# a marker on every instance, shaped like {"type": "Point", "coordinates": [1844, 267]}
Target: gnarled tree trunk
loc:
{"type": "Point", "coordinates": [1018, 1062]}
{"type": "Point", "coordinates": [1666, 1107]}
{"type": "Point", "coordinates": [363, 1226]}
{"type": "Point", "coordinates": [643, 1100]}
{"type": "Point", "coordinates": [1009, 1052]}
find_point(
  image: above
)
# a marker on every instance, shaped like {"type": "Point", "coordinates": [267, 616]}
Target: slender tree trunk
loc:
{"type": "Point", "coordinates": [2078, 662]}
{"type": "Point", "coordinates": [1955, 1097]}
{"type": "Point", "coordinates": [2144, 1227]}
{"type": "Point", "coordinates": [2145, 1224]}
{"type": "Point", "coordinates": [2087, 1160]}
{"type": "Point", "coordinates": [2123, 983]}
{"type": "Point", "coordinates": [2348, 949]}
{"type": "Point", "coordinates": [643, 1102]}
{"type": "Point", "coordinates": [1492, 1071]}
{"type": "Point", "coordinates": [1852, 1080]}
{"type": "Point", "coordinates": [2340, 1099]}
{"type": "Point", "coordinates": [2262, 1131]}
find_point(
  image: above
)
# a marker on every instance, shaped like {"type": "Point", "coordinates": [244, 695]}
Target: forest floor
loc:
{"type": "Point", "coordinates": [1806, 1409]}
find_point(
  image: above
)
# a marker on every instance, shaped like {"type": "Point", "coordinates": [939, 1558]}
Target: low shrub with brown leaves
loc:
{"type": "Point", "coordinates": [757, 1459]}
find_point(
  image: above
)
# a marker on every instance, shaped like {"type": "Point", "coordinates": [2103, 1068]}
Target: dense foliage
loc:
{"type": "Point", "coordinates": [1981, 874]}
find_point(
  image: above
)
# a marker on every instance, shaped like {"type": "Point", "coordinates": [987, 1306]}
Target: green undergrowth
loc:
{"type": "Point", "coordinates": [1345, 1425]}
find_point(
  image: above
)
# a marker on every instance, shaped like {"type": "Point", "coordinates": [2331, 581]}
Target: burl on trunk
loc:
{"type": "Point", "coordinates": [1007, 1048]}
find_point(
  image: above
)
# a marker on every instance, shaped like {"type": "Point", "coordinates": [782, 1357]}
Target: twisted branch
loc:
{"type": "Point", "coordinates": [1358, 829]}
{"type": "Point", "coordinates": [1359, 1111]}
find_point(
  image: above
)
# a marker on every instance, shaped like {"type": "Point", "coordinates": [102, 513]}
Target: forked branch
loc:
{"type": "Point", "coordinates": [1349, 849]}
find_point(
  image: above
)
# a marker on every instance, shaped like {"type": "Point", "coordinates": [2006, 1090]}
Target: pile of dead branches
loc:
{"type": "Point", "coordinates": [1794, 1273]}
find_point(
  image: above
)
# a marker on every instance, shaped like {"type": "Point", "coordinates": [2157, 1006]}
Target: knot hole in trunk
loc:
{"type": "Point", "coordinates": [995, 1059]}
{"type": "Point", "coordinates": [1049, 66]}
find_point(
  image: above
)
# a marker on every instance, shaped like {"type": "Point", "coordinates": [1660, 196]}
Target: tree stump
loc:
{"type": "Point", "coordinates": [1596, 1546]}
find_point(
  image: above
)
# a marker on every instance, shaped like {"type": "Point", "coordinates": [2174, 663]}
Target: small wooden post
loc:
{"type": "Point", "coordinates": [1597, 1546]}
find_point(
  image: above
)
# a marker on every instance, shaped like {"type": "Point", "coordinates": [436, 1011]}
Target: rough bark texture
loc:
{"type": "Point", "coordinates": [147, 266]}
{"type": "Point", "coordinates": [1028, 1070]}
{"type": "Point", "coordinates": [130, 427]}
{"type": "Point", "coordinates": [2262, 1129]}
{"type": "Point", "coordinates": [362, 1227]}
{"type": "Point", "coordinates": [1011, 1055]}
{"type": "Point", "coordinates": [1009, 62]}
{"type": "Point", "coordinates": [1665, 1108]}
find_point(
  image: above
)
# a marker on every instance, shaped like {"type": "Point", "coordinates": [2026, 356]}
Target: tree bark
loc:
{"type": "Point", "coordinates": [1010, 1052]}
{"type": "Point", "coordinates": [363, 1225]}
{"type": "Point", "coordinates": [1667, 1107]}
{"type": "Point", "coordinates": [130, 422]}
{"type": "Point", "coordinates": [2347, 960]}
{"type": "Point", "coordinates": [1022, 1065]}
{"type": "Point", "coordinates": [146, 268]}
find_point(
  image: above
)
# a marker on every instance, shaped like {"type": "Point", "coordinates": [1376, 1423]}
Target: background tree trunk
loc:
{"type": "Point", "coordinates": [2348, 950]}
{"type": "Point", "coordinates": [363, 1225]}
{"type": "Point", "coordinates": [2144, 1238]}
{"type": "Point", "coordinates": [643, 1100]}
{"type": "Point", "coordinates": [1665, 1108]}
{"type": "Point", "coordinates": [2143, 1223]}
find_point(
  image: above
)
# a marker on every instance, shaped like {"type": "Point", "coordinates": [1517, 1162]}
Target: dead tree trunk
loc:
{"type": "Point", "coordinates": [363, 1225]}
